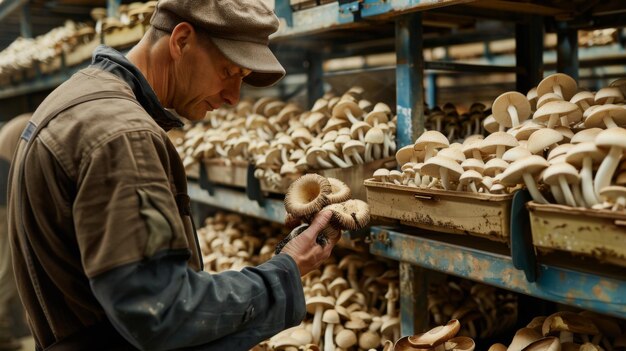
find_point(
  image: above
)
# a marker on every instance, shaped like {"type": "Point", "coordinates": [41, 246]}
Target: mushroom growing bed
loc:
{"type": "Point", "coordinates": [352, 300]}
{"type": "Point", "coordinates": [345, 137]}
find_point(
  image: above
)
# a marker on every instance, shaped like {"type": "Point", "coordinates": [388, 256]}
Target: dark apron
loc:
{"type": "Point", "coordinates": [102, 335]}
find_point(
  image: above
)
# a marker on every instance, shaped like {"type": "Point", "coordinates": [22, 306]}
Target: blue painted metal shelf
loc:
{"type": "Point", "coordinates": [8, 6]}
{"type": "Point", "coordinates": [563, 285]}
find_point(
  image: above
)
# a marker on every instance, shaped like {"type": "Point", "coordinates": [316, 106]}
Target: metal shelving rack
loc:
{"type": "Point", "coordinates": [420, 253]}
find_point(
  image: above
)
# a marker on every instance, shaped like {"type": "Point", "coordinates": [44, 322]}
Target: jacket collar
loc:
{"type": "Point", "coordinates": [112, 61]}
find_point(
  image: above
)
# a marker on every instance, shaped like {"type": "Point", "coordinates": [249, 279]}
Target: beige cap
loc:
{"type": "Point", "coordinates": [240, 29]}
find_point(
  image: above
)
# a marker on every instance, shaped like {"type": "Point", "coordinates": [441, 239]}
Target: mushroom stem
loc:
{"type": "Point", "coordinates": [328, 337]}
{"type": "Point", "coordinates": [620, 203]}
{"type": "Point", "coordinates": [514, 116]}
{"type": "Point", "coordinates": [609, 122]}
{"type": "Point", "coordinates": [501, 128]}
{"type": "Point", "coordinates": [377, 151]}
{"type": "Point", "coordinates": [425, 181]}
{"type": "Point", "coordinates": [459, 187]}
{"type": "Point", "coordinates": [477, 155]}
{"type": "Point", "coordinates": [368, 152]}
{"type": "Point", "coordinates": [477, 126]}
{"type": "Point", "coordinates": [609, 100]}
{"type": "Point", "coordinates": [558, 91]}
{"type": "Point", "coordinates": [417, 179]}
{"type": "Point", "coordinates": [430, 152]}
{"type": "Point", "coordinates": [438, 124]}
{"type": "Point", "coordinates": [586, 178]}
{"type": "Point", "coordinates": [451, 134]}
{"type": "Point", "coordinates": [440, 347]}
{"type": "Point", "coordinates": [262, 134]}
{"type": "Point", "coordinates": [606, 169]}
{"type": "Point", "coordinates": [578, 196]}
{"type": "Point", "coordinates": [221, 151]}
{"type": "Point", "coordinates": [500, 149]}
{"type": "Point", "coordinates": [302, 144]}
{"type": "Point", "coordinates": [532, 188]}
{"type": "Point", "coordinates": [357, 157]}
{"type": "Point", "coordinates": [567, 192]}
{"type": "Point", "coordinates": [323, 163]}
{"type": "Point", "coordinates": [554, 118]}
{"type": "Point", "coordinates": [472, 187]}
{"type": "Point", "coordinates": [351, 117]}
{"type": "Point", "coordinates": [584, 104]}
{"type": "Point", "coordinates": [558, 194]}
{"type": "Point", "coordinates": [284, 156]}
{"type": "Point", "coordinates": [338, 161]}
{"type": "Point", "coordinates": [443, 175]}
{"type": "Point", "coordinates": [317, 324]}
{"type": "Point", "coordinates": [386, 146]}
{"type": "Point", "coordinates": [346, 158]}
{"type": "Point", "coordinates": [361, 135]}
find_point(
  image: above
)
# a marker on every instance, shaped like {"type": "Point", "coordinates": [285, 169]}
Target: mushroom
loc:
{"type": "Point", "coordinates": [381, 175]}
{"type": "Point", "coordinates": [497, 347]}
{"type": "Point", "coordinates": [609, 95]}
{"type": "Point", "coordinates": [315, 156]}
{"type": "Point", "coordinates": [516, 153]}
{"type": "Point", "coordinates": [395, 177]}
{"type": "Point", "coordinates": [585, 135]}
{"type": "Point", "coordinates": [615, 140]}
{"type": "Point", "coordinates": [615, 194]}
{"type": "Point", "coordinates": [460, 343]}
{"type": "Point", "coordinates": [345, 339]}
{"type": "Point", "coordinates": [435, 338]}
{"type": "Point", "coordinates": [584, 156]}
{"type": "Point", "coordinates": [332, 153]}
{"type": "Point", "coordinates": [348, 110]}
{"type": "Point", "coordinates": [544, 344]}
{"type": "Point", "coordinates": [469, 179]}
{"type": "Point", "coordinates": [567, 324]}
{"type": "Point", "coordinates": [380, 114]}
{"type": "Point", "coordinates": [352, 152]}
{"type": "Point", "coordinates": [524, 337]}
{"type": "Point", "coordinates": [349, 215]}
{"type": "Point", "coordinates": [430, 141]}
{"type": "Point", "coordinates": [524, 170]}
{"type": "Point", "coordinates": [562, 174]}
{"type": "Point", "coordinates": [583, 99]}
{"type": "Point", "coordinates": [549, 97]}
{"type": "Point", "coordinates": [609, 116]}
{"type": "Point", "coordinates": [558, 83]}
{"type": "Point", "coordinates": [340, 191]}
{"type": "Point", "coordinates": [316, 306]}
{"type": "Point", "coordinates": [472, 149]}
{"type": "Point", "coordinates": [391, 327]}
{"type": "Point", "coordinates": [511, 108]}
{"type": "Point", "coordinates": [444, 168]}
{"type": "Point", "coordinates": [495, 166]}
{"type": "Point", "coordinates": [369, 340]}
{"type": "Point", "coordinates": [491, 125]}
{"type": "Point", "coordinates": [554, 112]}
{"type": "Point", "coordinates": [374, 141]}
{"type": "Point", "coordinates": [542, 139]}
{"type": "Point", "coordinates": [330, 318]}
{"type": "Point", "coordinates": [307, 195]}
{"type": "Point", "coordinates": [532, 97]}
{"type": "Point", "coordinates": [358, 130]}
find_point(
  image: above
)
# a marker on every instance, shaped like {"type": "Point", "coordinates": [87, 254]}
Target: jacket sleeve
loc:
{"type": "Point", "coordinates": [160, 304]}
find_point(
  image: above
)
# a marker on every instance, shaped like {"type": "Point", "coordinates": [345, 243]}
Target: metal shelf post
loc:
{"type": "Point", "coordinates": [567, 50]}
{"type": "Point", "coordinates": [113, 7]}
{"type": "Point", "coordinates": [26, 29]}
{"type": "Point", "coordinates": [315, 81]}
{"type": "Point", "coordinates": [409, 78]}
{"type": "Point", "coordinates": [529, 52]}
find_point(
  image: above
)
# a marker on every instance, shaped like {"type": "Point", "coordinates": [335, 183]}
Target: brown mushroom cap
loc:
{"type": "Point", "coordinates": [350, 215]}
{"type": "Point", "coordinates": [436, 336]}
{"type": "Point", "coordinates": [500, 108]}
{"type": "Point", "coordinates": [607, 325]}
{"type": "Point", "coordinates": [536, 323]}
{"type": "Point", "coordinates": [307, 195]}
{"type": "Point", "coordinates": [340, 191]}
{"type": "Point", "coordinates": [568, 321]}
{"type": "Point", "coordinates": [568, 85]}
{"type": "Point", "coordinates": [460, 343]}
{"type": "Point", "coordinates": [544, 344]}
{"type": "Point", "coordinates": [497, 347]}
{"type": "Point", "coordinates": [524, 337]}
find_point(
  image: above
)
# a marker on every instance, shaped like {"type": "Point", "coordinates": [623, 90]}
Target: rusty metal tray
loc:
{"type": "Point", "coordinates": [455, 212]}
{"type": "Point", "coordinates": [600, 234]}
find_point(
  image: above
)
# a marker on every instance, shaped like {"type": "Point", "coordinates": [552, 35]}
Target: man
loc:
{"type": "Point", "coordinates": [104, 250]}
{"type": "Point", "coordinates": [9, 137]}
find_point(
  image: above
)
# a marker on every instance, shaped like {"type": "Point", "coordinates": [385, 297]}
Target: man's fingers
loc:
{"type": "Point", "coordinates": [319, 223]}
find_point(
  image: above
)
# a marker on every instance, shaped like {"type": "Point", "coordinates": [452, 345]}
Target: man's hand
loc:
{"type": "Point", "coordinates": [303, 248]}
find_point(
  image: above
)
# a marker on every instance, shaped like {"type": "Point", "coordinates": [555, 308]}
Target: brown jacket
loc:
{"type": "Point", "coordinates": [99, 187]}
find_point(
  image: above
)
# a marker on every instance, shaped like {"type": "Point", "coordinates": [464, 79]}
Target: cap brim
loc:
{"type": "Point", "coordinates": [266, 70]}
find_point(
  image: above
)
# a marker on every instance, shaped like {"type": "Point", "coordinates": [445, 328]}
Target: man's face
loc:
{"type": "Point", "coordinates": [205, 79]}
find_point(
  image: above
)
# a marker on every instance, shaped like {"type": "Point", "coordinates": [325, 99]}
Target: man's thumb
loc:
{"type": "Point", "coordinates": [319, 223]}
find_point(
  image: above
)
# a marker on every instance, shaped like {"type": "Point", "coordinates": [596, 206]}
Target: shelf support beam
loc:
{"type": "Point", "coordinates": [567, 50]}
{"type": "Point", "coordinates": [413, 299]}
{"type": "Point", "coordinates": [113, 7]}
{"type": "Point", "coordinates": [409, 78]}
{"type": "Point", "coordinates": [26, 29]}
{"type": "Point", "coordinates": [315, 74]}
{"type": "Point", "coordinates": [529, 52]}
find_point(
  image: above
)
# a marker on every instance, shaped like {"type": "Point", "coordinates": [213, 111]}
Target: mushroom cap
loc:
{"type": "Point", "coordinates": [288, 168]}
{"type": "Point", "coordinates": [377, 116]}
{"type": "Point", "coordinates": [404, 155]}
{"type": "Point", "coordinates": [395, 175]}
{"type": "Point", "coordinates": [307, 195]}
{"type": "Point", "coordinates": [403, 344]}
{"type": "Point", "coordinates": [324, 301]}
{"type": "Point", "coordinates": [302, 336]}
{"type": "Point", "coordinates": [352, 146]}
{"type": "Point", "coordinates": [490, 124]}
{"type": "Point", "coordinates": [536, 323]}
{"type": "Point", "coordinates": [470, 176]}
{"type": "Point", "coordinates": [354, 129]}
{"type": "Point", "coordinates": [284, 343]}
{"type": "Point", "coordinates": [585, 135]}
{"type": "Point", "coordinates": [432, 165]}
{"type": "Point", "coordinates": [527, 129]}
{"type": "Point", "coordinates": [567, 83]}
{"type": "Point", "coordinates": [544, 344]}
{"type": "Point", "coordinates": [340, 191]}
{"type": "Point", "coordinates": [596, 118]}
{"type": "Point", "coordinates": [330, 316]}
{"type": "Point", "coordinates": [272, 108]}
{"type": "Point", "coordinates": [560, 108]}
{"type": "Point", "coordinates": [579, 152]}
{"type": "Point", "coordinates": [612, 137]}
{"type": "Point", "coordinates": [551, 174]}
{"type": "Point", "coordinates": [613, 192]}
{"type": "Point", "coordinates": [497, 347]}
{"type": "Point", "coordinates": [436, 336]}
{"type": "Point", "coordinates": [587, 96]}
{"type": "Point", "coordinates": [497, 187]}
{"type": "Point", "coordinates": [343, 106]}
{"type": "Point", "coordinates": [568, 321]}
{"type": "Point", "coordinates": [390, 324]}
{"type": "Point", "coordinates": [500, 106]}
{"type": "Point", "coordinates": [524, 337]}
{"type": "Point", "coordinates": [369, 340]}
{"type": "Point", "coordinates": [453, 153]}
{"type": "Point", "coordinates": [470, 146]}
{"type": "Point", "coordinates": [335, 124]}
{"type": "Point", "coordinates": [549, 97]}
{"type": "Point", "coordinates": [590, 347]}
{"type": "Point", "coordinates": [350, 215]}
{"type": "Point", "coordinates": [337, 284]}
{"type": "Point", "coordinates": [609, 92]}
{"type": "Point", "coordinates": [460, 343]}
{"type": "Point", "coordinates": [514, 174]}
{"type": "Point", "coordinates": [473, 164]}
{"type": "Point", "coordinates": [516, 153]}
{"type": "Point", "coordinates": [433, 138]}
{"type": "Point", "coordinates": [355, 324]}
{"type": "Point", "coordinates": [301, 134]}
{"type": "Point", "coordinates": [380, 173]}
{"type": "Point", "coordinates": [543, 138]}
{"type": "Point", "coordinates": [313, 153]}
{"type": "Point", "coordinates": [346, 339]}
{"type": "Point", "coordinates": [494, 165]}
{"type": "Point", "coordinates": [491, 142]}
{"type": "Point", "coordinates": [375, 136]}
{"type": "Point", "coordinates": [559, 150]}
{"type": "Point", "coordinates": [345, 296]}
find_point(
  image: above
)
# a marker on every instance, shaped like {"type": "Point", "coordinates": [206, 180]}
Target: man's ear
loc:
{"type": "Point", "coordinates": [180, 39]}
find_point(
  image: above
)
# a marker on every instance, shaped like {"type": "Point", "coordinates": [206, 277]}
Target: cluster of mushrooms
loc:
{"type": "Point", "coordinates": [456, 126]}
{"type": "Point", "coordinates": [440, 338]}
{"type": "Point", "coordinates": [572, 145]}
{"type": "Point", "coordinates": [232, 242]}
{"type": "Point", "coordinates": [484, 311]}
{"type": "Point", "coordinates": [313, 193]}
{"type": "Point", "coordinates": [283, 141]}
{"type": "Point", "coordinates": [352, 304]}
{"type": "Point", "coordinates": [129, 25]}
{"type": "Point", "coordinates": [569, 331]}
